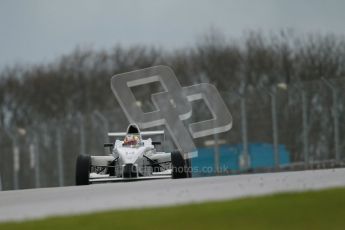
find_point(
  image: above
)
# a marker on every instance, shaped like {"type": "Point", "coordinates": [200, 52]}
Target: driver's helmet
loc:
{"type": "Point", "coordinates": [131, 139]}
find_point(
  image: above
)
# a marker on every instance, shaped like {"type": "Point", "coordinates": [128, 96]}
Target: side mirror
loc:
{"type": "Point", "coordinates": [156, 142]}
{"type": "Point", "coordinates": [108, 145]}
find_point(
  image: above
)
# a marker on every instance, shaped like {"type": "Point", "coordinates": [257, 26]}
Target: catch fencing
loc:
{"type": "Point", "coordinates": [307, 118]}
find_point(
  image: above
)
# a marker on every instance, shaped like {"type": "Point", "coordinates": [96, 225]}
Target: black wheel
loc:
{"type": "Point", "coordinates": [181, 168]}
{"type": "Point", "coordinates": [83, 170]}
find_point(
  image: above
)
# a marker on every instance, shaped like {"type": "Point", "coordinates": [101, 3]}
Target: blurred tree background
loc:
{"type": "Point", "coordinates": [47, 97]}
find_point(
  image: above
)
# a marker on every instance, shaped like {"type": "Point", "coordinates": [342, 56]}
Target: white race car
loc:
{"type": "Point", "coordinates": [132, 158]}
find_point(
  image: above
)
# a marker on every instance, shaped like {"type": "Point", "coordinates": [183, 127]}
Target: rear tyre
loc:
{"type": "Point", "coordinates": [181, 168]}
{"type": "Point", "coordinates": [83, 170]}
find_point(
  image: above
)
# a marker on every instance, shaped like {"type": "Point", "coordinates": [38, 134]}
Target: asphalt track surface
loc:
{"type": "Point", "coordinates": [40, 203]}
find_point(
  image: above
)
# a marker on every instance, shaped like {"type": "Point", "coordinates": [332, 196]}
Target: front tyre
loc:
{"type": "Point", "coordinates": [181, 168]}
{"type": "Point", "coordinates": [83, 170]}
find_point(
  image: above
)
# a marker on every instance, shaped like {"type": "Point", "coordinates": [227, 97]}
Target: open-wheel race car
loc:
{"type": "Point", "coordinates": [131, 158]}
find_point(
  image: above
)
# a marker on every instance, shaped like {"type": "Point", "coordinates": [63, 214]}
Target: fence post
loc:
{"type": "Point", "coordinates": [216, 154]}
{"type": "Point", "coordinates": [82, 134]}
{"type": "Point", "coordinates": [275, 127]}
{"type": "Point", "coordinates": [305, 129]}
{"type": "Point", "coordinates": [37, 162]}
{"type": "Point", "coordinates": [244, 160]}
{"type": "Point", "coordinates": [16, 157]}
{"type": "Point", "coordinates": [336, 125]}
{"type": "Point", "coordinates": [16, 165]}
{"type": "Point", "coordinates": [60, 156]}
{"type": "Point", "coordinates": [335, 114]}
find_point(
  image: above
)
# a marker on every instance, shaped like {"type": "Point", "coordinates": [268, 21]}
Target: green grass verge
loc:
{"type": "Point", "coordinates": [307, 210]}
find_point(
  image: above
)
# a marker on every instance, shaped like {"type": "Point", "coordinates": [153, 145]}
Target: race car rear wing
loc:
{"type": "Point", "coordinates": [143, 133]}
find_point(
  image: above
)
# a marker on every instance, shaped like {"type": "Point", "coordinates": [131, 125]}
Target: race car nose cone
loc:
{"type": "Point", "coordinates": [130, 171]}
{"type": "Point", "coordinates": [128, 155]}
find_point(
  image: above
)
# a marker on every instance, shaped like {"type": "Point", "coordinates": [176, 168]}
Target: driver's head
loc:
{"type": "Point", "coordinates": [128, 138]}
{"type": "Point", "coordinates": [131, 139]}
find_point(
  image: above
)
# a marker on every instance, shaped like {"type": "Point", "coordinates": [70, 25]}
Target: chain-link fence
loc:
{"type": "Point", "coordinates": [304, 120]}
